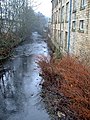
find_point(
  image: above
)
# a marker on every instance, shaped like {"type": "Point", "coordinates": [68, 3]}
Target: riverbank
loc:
{"type": "Point", "coordinates": [66, 88]}
{"type": "Point", "coordinates": [7, 43]}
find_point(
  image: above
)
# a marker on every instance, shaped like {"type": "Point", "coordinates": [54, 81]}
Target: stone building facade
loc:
{"type": "Point", "coordinates": [71, 27]}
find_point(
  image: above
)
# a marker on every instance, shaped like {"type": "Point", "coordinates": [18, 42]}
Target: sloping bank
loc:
{"type": "Point", "coordinates": [65, 88]}
{"type": "Point", "coordinates": [7, 43]}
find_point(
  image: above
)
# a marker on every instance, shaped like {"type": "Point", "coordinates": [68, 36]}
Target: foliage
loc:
{"type": "Point", "coordinates": [32, 21]}
{"type": "Point", "coordinates": [58, 54]}
{"type": "Point", "coordinates": [70, 77]}
{"type": "Point", "coordinates": [18, 26]}
{"type": "Point", "coordinates": [7, 42]}
{"type": "Point", "coordinates": [41, 22]}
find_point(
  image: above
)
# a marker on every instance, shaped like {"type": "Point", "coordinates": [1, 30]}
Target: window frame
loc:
{"type": "Point", "coordinates": [67, 11]}
{"type": "Point", "coordinates": [81, 26]}
{"type": "Point", "coordinates": [83, 4]}
{"type": "Point", "coordinates": [73, 25]}
{"type": "Point", "coordinates": [74, 6]}
{"type": "Point", "coordinates": [62, 14]}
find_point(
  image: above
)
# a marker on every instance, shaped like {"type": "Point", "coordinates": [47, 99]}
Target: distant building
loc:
{"type": "Point", "coordinates": [71, 27]}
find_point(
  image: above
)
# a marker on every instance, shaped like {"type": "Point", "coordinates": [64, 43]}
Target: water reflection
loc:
{"type": "Point", "coordinates": [6, 84]}
{"type": "Point", "coordinates": [12, 87]}
{"type": "Point", "coordinates": [19, 85]}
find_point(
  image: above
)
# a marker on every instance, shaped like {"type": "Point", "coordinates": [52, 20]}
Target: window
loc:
{"type": "Point", "coordinates": [73, 25]}
{"type": "Point", "coordinates": [62, 14]}
{"type": "Point", "coordinates": [74, 5]}
{"type": "Point", "coordinates": [81, 25]}
{"type": "Point", "coordinates": [52, 4]}
{"type": "Point", "coordinates": [62, 38]}
{"type": "Point", "coordinates": [56, 3]}
{"type": "Point", "coordinates": [54, 34]}
{"type": "Point", "coordinates": [52, 18]}
{"type": "Point", "coordinates": [59, 16]}
{"type": "Point", "coordinates": [83, 3]}
{"type": "Point", "coordinates": [66, 39]}
{"type": "Point", "coordinates": [59, 35]}
{"type": "Point", "coordinates": [63, 1]}
{"type": "Point", "coordinates": [56, 17]}
{"type": "Point", "coordinates": [67, 12]}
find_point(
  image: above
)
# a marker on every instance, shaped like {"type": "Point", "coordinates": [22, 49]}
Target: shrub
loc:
{"type": "Point", "coordinates": [71, 78]}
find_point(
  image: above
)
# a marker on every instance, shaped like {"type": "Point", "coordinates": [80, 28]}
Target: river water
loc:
{"type": "Point", "coordinates": [19, 83]}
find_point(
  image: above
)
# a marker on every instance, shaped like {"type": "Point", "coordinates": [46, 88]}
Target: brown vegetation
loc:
{"type": "Point", "coordinates": [7, 42]}
{"type": "Point", "coordinates": [70, 77]}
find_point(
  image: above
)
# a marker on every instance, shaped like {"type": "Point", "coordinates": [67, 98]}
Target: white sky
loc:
{"type": "Point", "coordinates": [44, 7]}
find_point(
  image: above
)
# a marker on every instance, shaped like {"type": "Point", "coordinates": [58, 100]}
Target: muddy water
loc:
{"type": "Point", "coordinates": [19, 83]}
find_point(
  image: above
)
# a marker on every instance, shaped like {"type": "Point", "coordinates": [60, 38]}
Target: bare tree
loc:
{"type": "Point", "coordinates": [34, 4]}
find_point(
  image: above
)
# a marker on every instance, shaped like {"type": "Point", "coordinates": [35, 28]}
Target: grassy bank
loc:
{"type": "Point", "coordinates": [70, 81]}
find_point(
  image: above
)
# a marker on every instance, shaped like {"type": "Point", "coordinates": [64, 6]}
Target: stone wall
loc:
{"type": "Point", "coordinates": [79, 38]}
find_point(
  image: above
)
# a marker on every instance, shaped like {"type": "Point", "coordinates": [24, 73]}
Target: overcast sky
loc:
{"type": "Point", "coordinates": [45, 7]}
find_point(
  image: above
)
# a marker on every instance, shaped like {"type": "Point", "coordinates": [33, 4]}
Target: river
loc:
{"type": "Point", "coordinates": [19, 83]}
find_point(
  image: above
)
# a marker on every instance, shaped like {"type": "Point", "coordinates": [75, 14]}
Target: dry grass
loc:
{"type": "Point", "coordinates": [72, 79]}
